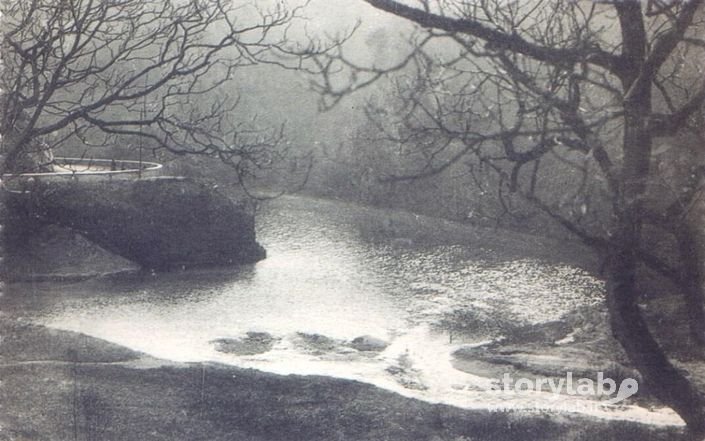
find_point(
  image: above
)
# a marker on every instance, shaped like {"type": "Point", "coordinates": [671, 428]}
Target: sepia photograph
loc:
{"type": "Point", "coordinates": [352, 220]}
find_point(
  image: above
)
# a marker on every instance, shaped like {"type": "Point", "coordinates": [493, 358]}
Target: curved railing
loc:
{"type": "Point", "coordinates": [86, 170]}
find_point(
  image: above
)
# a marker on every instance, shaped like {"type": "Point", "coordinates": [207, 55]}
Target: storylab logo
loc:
{"type": "Point", "coordinates": [601, 387]}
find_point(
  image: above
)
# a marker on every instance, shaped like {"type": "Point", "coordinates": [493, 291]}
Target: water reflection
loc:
{"type": "Point", "coordinates": [334, 273]}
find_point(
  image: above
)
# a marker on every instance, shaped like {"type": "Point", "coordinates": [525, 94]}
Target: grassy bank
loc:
{"type": "Point", "coordinates": [64, 386]}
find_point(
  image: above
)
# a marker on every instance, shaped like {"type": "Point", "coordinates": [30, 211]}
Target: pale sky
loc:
{"type": "Point", "coordinates": [277, 96]}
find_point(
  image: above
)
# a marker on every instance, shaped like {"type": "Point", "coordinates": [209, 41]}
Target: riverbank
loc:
{"type": "Point", "coordinates": [55, 253]}
{"type": "Point", "coordinates": [363, 271]}
{"type": "Point", "coordinates": [59, 385]}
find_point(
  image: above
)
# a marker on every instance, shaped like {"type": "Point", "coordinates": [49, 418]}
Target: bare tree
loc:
{"type": "Point", "coordinates": [567, 95]}
{"type": "Point", "coordinates": [91, 71]}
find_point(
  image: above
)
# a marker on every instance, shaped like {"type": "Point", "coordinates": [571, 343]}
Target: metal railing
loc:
{"type": "Point", "coordinates": [84, 169]}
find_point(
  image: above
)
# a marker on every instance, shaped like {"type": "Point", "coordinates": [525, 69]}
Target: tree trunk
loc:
{"type": "Point", "coordinates": [18, 155]}
{"type": "Point", "coordinates": [660, 377]}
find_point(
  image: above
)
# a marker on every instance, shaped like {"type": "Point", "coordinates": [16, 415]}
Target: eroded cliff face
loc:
{"type": "Point", "coordinates": [157, 223]}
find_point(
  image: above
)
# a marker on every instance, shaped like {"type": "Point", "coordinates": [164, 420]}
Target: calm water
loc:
{"type": "Point", "coordinates": [335, 272]}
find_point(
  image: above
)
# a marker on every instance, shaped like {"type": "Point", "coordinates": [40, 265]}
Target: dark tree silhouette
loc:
{"type": "Point", "coordinates": [577, 107]}
{"type": "Point", "coordinates": [89, 71]}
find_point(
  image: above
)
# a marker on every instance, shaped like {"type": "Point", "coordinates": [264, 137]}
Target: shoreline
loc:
{"type": "Point", "coordinates": [57, 384]}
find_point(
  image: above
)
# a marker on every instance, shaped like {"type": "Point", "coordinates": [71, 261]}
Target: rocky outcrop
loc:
{"type": "Point", "coordinates": [579, 343]}
{"type": "Point", "coordinates": [368, 343]}
{"type": "Point", "coordinates": [251, 344]}
{"type": "Point", "coordinates": [158, 223]}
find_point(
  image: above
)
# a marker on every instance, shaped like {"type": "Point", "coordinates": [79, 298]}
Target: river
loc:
{"type": "Point", "coordinates": [336, 272]}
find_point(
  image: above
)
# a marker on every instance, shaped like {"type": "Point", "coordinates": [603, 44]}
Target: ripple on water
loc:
{"type": "Point", "coordinates": [334, 274]}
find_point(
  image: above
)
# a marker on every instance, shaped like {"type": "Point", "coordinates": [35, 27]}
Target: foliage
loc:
{"type": "Point", "coordinates": [114, 72]}
{"type": "Point", "coordinates": [577, 108]}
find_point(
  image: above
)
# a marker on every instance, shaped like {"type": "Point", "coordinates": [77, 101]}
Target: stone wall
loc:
{"type": "Point", "coordinates": [158, 223]}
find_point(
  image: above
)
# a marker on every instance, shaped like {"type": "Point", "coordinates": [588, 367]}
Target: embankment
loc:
{"type": "Point", "coordinates": [157, 223]}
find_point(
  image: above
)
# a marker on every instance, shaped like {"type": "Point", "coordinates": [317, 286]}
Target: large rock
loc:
{"type": "Point", "coordinates": [252, 343]}
{"type": "Point", "coordinates": [158, 223]}
{"type": "Point", "coordinates": [368, 343]}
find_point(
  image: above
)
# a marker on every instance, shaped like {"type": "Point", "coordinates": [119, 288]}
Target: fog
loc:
{"type": "Point", "coordinates": [278, 96]}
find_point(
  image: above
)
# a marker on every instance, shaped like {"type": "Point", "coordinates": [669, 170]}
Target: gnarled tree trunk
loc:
{"type": "Point", "coordinates": [660, 377]}
{"type": "Point", "coordinates": [629, 327]}
{"type": "Point", "coordinates": [19, 153]}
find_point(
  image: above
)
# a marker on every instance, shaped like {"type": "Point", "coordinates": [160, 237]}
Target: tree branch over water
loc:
{"type": "Point", "coordinates": [561, 101]}
{"type": "Point", "coordinates": [94, 71]}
